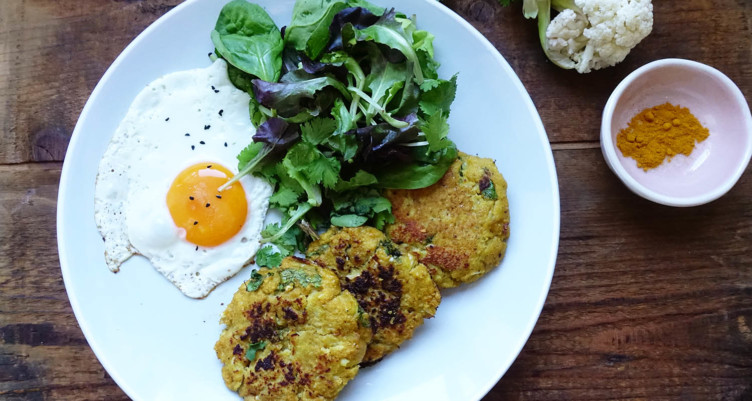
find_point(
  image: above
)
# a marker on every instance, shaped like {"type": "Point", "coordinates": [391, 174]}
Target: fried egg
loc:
{"type": "Point", "coordinates": [157, 192]}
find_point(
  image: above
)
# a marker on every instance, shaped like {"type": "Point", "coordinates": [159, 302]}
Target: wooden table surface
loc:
{"type": "Point", "coordinates": [647, 301]}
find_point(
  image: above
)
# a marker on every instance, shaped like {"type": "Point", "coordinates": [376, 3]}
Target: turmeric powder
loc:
{"type": "Point", "coordinates": [658, 133]}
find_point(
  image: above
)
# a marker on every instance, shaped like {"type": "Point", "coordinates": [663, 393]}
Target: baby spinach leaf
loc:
{"type": "Point", "coordinates": [348, 220]}
{"type": "Point", "coordinates": [247, 38]}
{"type": "Point", "coordinates": [360, 179]}
{"type": "Point", "coordinates": [309, 29]}
{"type": "Point", "coordinates": [243, 18]}
{"type": "Point", "coordinates": [418, 174]}
{"type": "Point", "coordinates": [239, 78]}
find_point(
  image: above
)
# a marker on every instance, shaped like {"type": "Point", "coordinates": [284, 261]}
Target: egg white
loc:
{"type": "Point", "coordinates": [149, 149]}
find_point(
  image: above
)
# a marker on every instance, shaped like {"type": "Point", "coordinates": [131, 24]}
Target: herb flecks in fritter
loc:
{"type": "Point", "coordinates": [291, 333]}
{"type": "Point", "coordinates": [457, 227]}
{"type": "Point", "coordinates": [394, 291]}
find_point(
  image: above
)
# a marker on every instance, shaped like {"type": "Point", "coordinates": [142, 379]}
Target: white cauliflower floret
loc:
{"type": "Point", "coordinates": [597, 33]}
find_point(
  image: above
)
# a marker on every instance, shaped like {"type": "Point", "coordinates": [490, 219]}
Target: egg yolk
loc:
{"type": "Point", "coordinates": [209, 217]}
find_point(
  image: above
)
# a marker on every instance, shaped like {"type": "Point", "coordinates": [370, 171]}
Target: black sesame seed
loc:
{"type": "Point", "coordinates": [209, 55]}
{"type": "Point", "coordinates": [191, 198]}
{"type": "Point", "coordinates": [202, 142]}
{"type": "Point", "coordinates": [216, 90]}
{"type": "Point", "coordinates": [209, 166]}
{"type": "Point", "coordinates": [213, 88]}
{"type": "Point", "coordinates": [197, 247]}
{"type": "Point", "coordinates": [167, 119]}
{"type": "Point", "coordinates": [193, 147]}
{"type": "Point", "coordinates": [187, 134]}
{"type": "Point", "coordinates": [225, 144]}
{"type": "Point", "coordinates": [219, 196]}
{"type": "Point", "coordinates": [195, 222]}
{"type": "Point", "coordinates": [208, 204]}
{"type": "Point", "coordinates": [220, 112]}
{"type": "Point", "coordinates": [207, 126]}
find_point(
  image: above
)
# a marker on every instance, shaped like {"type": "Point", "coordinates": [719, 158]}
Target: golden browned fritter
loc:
{"type": "Point", "coordinates": [394, 290]}
{"type": "Point", "coordinates": [291, 334]}
{"type": "Point", "coordinates": [459, 226]}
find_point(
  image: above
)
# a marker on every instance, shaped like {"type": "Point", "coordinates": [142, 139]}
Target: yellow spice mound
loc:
{"type": "Point", "coordinates": [659, 133]}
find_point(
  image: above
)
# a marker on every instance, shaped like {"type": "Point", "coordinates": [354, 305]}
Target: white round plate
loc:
{"type": "Point", "coordinates": [157, 344]}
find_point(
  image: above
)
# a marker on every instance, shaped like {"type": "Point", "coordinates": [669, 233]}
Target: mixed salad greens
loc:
{"type": "Point", "coordinates": [347, 101]}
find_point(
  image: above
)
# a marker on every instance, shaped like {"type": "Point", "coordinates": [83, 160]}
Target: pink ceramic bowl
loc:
{"type": "Point", "coordinates": [715, 164]}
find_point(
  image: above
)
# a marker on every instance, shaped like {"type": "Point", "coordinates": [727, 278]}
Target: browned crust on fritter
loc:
{"type": "Point", "coordinates": [395, 291]}
{"type": "Point", "coordinates": [457, 232]}
{"type": "Point", "coordinates": [313, 342]}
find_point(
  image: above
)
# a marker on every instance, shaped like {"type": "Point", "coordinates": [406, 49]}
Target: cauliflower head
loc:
{"type": "Point", "coordinates": [589, 35]}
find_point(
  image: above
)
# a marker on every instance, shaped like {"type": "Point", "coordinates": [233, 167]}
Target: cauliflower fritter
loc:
{"type": "Point", "coordinates": [393, 289]}
{"type": "Point", "coordinates": [459, 226]}
{"type": "Point", "coordinates": [291, 334]}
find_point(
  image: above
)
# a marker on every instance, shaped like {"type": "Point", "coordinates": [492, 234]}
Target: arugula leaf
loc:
{"type": "Point", "coordinates": [254, 282]}
{"type": "Point", "coordinates": [367, 5]}
{"type": "Point", "coordinates": [384, 81]}
{"type": "Point", "coordinates": [389, 32]}
{"type": "Point", "coordinates": [253, 348]}
{"type": "Point", "coordinates": [247, 38]}
{"type": "Point", "coordinates": [268, 257]}
{"type": "Point", "coordinates": [290, 276]}
{"type": "Point", "coordinates": [309, 29]}
{"type": "Point", "coordinates": [423, 45]}
{"type": "Point", "coordinates": [342, 117]}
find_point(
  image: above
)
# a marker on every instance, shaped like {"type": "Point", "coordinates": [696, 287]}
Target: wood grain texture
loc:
{"type": "Point", "coordinates": [647, 302]}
